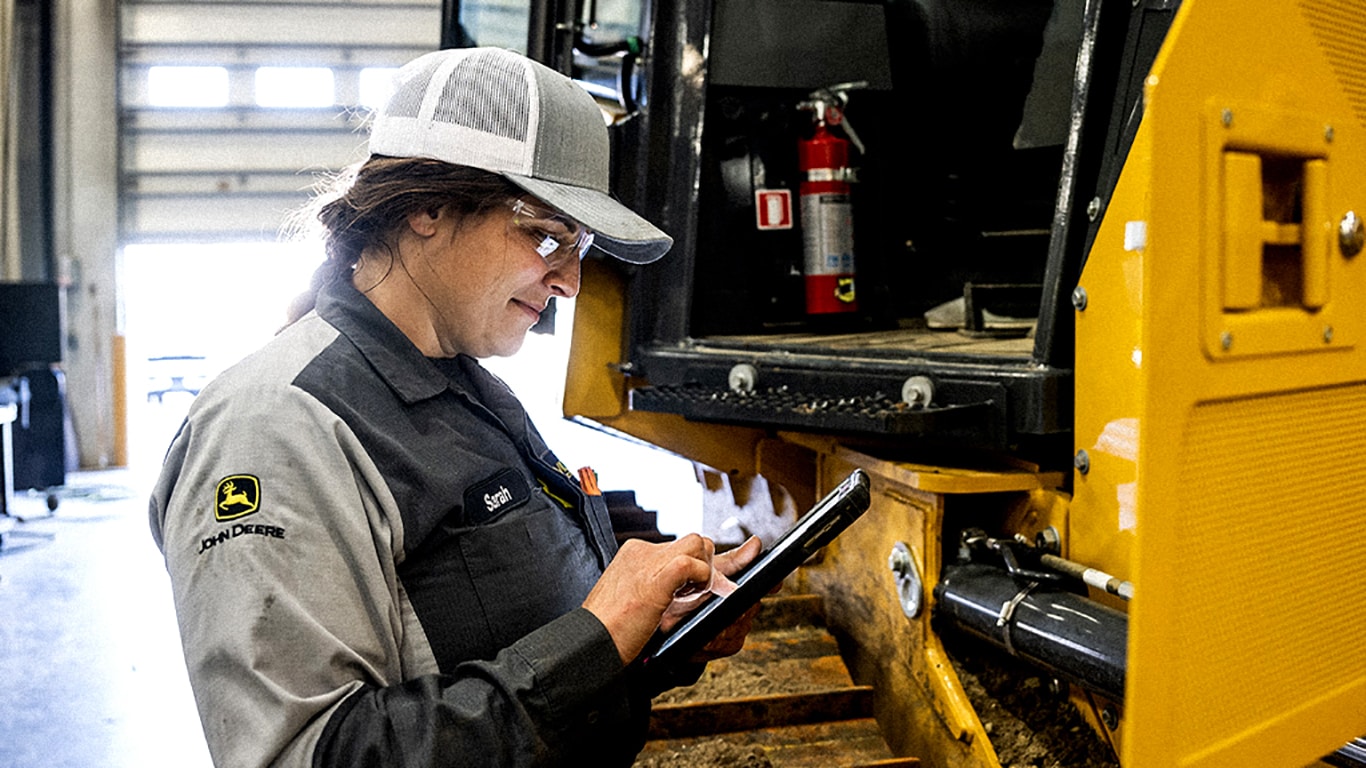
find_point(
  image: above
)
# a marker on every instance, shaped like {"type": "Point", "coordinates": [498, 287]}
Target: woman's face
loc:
{"type": "Point", "coordinates": [484, 279]}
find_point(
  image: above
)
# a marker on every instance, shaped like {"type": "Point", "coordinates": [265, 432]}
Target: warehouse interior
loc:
{"type": "Point", "coordinates": [158, 160]}
{"type": "Point", "coordinates": [1103, 381]}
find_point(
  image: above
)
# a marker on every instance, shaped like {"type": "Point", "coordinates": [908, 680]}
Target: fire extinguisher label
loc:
{"type": "Point", "coordinates": [828, 234]}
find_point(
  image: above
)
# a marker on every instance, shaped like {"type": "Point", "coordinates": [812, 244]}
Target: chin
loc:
{"type": "Point", "coordinates": [508, 348]}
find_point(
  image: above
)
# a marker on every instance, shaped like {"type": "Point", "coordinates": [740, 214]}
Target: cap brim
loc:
{"type": "Point", "coordinates": [617, 230]}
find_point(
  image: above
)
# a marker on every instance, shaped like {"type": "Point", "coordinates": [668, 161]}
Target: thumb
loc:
{"type": "Point", "coordinates": [734, 561]}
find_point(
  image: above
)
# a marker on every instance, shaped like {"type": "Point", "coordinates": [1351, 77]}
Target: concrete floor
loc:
{"type": "Point", "coordinates": [91, 672]}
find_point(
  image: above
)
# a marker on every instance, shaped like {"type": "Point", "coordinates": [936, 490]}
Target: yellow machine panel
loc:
{"type": "Point", "coordinates": [1230, 247]}
{"type": "Point", "coordinates": [1215, 395]}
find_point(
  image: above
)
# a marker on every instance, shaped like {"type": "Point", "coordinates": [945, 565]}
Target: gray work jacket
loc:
{"type": "Point", "coordinates": [376, 560]}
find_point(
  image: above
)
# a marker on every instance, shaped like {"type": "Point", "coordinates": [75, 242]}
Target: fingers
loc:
{"type": "Point", "coordinates": [730, 640]}
{"type": "Point", "coordinates": [693, 565]}
{"type": "Point", "coordinates": [670, 570]}
{"type": "Point", "coordinates": [687, 575]}
{"type": "Point", "coordinates": [691, 596]}
{"type": "Point", "coordinates": [735, 560]}
{"type": "Point", "coordinates": [640, 583]}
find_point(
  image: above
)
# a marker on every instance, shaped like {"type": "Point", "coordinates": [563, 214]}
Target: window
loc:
{"type": "Point", "coordinates": [294, 87]}
{"type": "Point", "coordinates": [187, 86]}
{"type": "Point", "coordinates": [376, 84]}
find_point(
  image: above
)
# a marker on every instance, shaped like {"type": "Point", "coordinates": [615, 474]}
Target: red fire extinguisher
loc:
{"type": "Point", "coordinates": [826, 206]}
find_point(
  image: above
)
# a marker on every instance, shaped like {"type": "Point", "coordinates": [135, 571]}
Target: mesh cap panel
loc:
{"type": "Point", "coordinates": [488, 94]}
{"type": "Point", "coordinates": [407, 101]}
{"type": "Point", "coordinates": [500, 111]}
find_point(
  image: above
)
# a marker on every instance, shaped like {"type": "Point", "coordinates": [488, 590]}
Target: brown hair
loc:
{"type": "Point", "coordinates": [366, 207]}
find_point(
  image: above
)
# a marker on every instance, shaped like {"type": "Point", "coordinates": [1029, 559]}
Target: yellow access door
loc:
{"type": "Point", "coordinates": [1221, 390]}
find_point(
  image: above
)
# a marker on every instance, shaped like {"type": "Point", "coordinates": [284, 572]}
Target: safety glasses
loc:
{"type": "Point", "coordinates": [558, 238]}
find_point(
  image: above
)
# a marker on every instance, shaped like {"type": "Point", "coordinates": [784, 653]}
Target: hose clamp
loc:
{"type": "Point", "coordinates": [1006, 618]}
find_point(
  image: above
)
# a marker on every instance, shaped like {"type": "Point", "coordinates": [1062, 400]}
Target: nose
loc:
{"type": "Point", "coordinates": [563, 279]}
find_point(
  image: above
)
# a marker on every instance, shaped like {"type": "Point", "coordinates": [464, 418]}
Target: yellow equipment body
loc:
{"type": "Point", "coordinates": [1222, 391]}
{"type": "Point", "coordinates": [1219, 424]}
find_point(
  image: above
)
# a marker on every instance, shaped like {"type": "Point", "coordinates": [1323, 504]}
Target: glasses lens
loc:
{"type": "Point", "coordinates": [557, 237]}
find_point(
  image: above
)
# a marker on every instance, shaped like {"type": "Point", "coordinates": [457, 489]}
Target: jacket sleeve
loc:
{"type": "Point", "coordinates": [293, 618]}
{"type": "Point", "coordinates": [531, 706]}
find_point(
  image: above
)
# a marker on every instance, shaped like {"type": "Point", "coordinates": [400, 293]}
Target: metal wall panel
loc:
{"type": "Point", "coordinates": [245, 150]}
{"type": "Point", "coordinates": [373, 23]}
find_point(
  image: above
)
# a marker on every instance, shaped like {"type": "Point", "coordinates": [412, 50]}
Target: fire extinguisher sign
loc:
{"type": "Point", "coordinates": [773, 208]}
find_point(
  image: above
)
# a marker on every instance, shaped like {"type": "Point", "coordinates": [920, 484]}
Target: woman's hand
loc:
{"type": "Point", "coordinates": [639, 584]}
{"type": "Point", "coordinates": [732, 638]}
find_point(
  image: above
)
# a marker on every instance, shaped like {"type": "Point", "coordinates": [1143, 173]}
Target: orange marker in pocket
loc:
{"type": "Point", "coordinates": [588, 480]}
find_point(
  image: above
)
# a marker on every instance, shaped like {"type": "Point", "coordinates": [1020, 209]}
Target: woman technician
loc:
{"type": "Point", "coordinates": [375, 558]}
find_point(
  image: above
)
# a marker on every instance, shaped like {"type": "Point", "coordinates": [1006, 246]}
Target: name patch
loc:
{"type": "Point", "coordinates": [490, 498]}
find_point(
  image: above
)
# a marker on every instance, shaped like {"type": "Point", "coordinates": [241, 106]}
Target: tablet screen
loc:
{"type": "Point", "coordinates": [814, 530]}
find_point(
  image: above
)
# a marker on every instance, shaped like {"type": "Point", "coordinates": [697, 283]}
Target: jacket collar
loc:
{"type": "Point", "coordinates": [415, 377]}
{"type": "Point", "coordinates": [397, 360]}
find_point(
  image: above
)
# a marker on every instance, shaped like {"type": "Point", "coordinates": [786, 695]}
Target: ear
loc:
{"type": "Point", "coordinates": [424, 222]}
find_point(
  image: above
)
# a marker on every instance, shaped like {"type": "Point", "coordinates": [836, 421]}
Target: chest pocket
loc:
{"type": "Point", "coordinates": [478, 589]}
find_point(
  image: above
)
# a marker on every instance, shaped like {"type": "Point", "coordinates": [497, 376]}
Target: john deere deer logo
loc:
{"type": "Point", "coordinates": [237, 496]}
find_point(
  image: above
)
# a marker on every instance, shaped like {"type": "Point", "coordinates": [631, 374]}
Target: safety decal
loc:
{"type": "Point", "coordinates": [844, 289]}
{"type": "Point", "coordinates": [773, 208]}
{"type": "Point", "coordinates": [237, 496]}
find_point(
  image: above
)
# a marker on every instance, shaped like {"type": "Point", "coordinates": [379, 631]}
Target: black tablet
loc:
{"type": "Point", "coordinates": [814, 530]}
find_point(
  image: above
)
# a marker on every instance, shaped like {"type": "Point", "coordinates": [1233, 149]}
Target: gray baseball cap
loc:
{"type": "Point", "coordinates": [498, 110]}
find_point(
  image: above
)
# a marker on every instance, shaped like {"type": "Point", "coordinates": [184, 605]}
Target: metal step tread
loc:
{"type": "Point", "coordinates": [876, 413]}
{"type": "Point", "coordinates": [785, 700]}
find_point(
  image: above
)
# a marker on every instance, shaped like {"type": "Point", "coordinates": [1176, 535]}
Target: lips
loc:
{"type": "Point", "coordinates": [528, 308]}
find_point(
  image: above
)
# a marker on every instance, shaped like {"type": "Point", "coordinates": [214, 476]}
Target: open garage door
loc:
{"type": "Point", "coordinates": [231, 110]}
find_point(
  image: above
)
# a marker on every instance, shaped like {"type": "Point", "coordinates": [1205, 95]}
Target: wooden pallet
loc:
{"type": "Point", "coordinates": [785, 700]}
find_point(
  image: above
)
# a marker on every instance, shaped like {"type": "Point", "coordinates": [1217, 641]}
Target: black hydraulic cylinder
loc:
{"type": "Point", "coordinates": [1076, 638]}
{"type": "Point", "coordinates": [1351, 756]}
